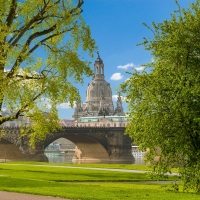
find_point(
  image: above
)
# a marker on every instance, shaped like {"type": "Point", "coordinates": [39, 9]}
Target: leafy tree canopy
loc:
{"type": "Point", "coordinates": [164, 104]}
{"type": "Point", "coordinates": [55, 29]}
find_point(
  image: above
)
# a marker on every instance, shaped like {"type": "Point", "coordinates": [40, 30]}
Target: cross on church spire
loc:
{"type": "Point", "coordinates": [98, 54]}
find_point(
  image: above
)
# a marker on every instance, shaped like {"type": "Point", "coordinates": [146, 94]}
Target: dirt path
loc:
{"type": "Point", "coordinates": [93, 168]}
{"type": "Point", "coordinates": [18, 196]}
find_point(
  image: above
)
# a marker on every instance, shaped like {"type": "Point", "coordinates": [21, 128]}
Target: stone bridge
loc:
{"type": "Point", "coordinates": [94, 143]}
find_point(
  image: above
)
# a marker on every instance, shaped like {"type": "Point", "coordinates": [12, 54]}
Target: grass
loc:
{"type": "Point", "coordinates": [84, 184]}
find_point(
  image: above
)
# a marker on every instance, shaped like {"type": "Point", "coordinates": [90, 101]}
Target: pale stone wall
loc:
{"type": "Point", "coordinates": [103, 123]}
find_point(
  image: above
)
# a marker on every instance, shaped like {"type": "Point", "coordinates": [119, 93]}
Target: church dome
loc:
{"type": "Point", "coordinates": [98, 89]}
{"type": "Point", "coordinates": [99, 93]}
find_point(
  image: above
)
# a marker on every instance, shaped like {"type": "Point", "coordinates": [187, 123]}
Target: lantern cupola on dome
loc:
{"type": "Point", "coordinates": [98, 68]}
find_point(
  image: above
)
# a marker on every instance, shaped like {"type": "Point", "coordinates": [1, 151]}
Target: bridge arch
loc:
{"type": "Point", "coordinates": [90, 145]}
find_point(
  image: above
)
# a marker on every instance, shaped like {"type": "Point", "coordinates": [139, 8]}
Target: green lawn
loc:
{"type": "Point", "coordinates": [84, 184]}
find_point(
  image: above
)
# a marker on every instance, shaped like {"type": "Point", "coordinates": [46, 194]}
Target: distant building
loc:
{"type": "Point", "coordinates": [67, 122]}
{"type": "Point", "coordinates": [102, 121]}
{"type": "Point", "coordinates": [21, 121]}
{"type": "Point", "coordinates": [98, 98]}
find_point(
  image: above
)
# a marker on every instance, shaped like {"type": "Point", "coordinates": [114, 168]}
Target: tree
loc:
{"type": "Point", "coordinates": [164, 103]}
{"type": "Point", "coordinates": [40, 46]}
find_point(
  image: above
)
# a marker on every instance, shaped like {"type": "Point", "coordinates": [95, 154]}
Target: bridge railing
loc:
{"type": "Point", "coordinates": [99, 127]}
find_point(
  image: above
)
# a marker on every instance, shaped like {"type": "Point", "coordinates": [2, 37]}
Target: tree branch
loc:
{"type": "Point", "coordinates": [80, 3]}
{"type": "Point", "coordinates": [39, 21]}
{"type": "Point", "coordinates": [39, 16]}
{"type": "Point", "coordinates": [12, 13]}
{"type": "Point", "coordinates": [38, 34]}
{"type": "Point", "coordinates": [20, 111]}
{"type": "Point", "coordinates": [20, 58]}
{"type": "Point", "coordinates": [26, 77]}
{"type": "Point", "coordinates": [49, 37]}
{"type": "Point", "coordinates": [28, 25]}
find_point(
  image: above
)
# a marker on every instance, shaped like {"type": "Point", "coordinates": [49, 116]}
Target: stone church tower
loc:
{"type": "Point", "coordinates": [98, 96]}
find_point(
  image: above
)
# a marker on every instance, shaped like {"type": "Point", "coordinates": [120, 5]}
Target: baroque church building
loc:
{"type": "Point", "coordinates": [98, 97]}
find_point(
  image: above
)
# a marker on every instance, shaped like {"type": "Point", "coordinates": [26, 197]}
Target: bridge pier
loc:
{"type": "Point", "coordinates": [12, 152]}
{"type": "Point", "coordinates": [36, 154]}
{"type": "Point", "coordinates": [121, 155]}
{"type": "Point", "coordinates": [37, 157]}
{"type": "Point", "coordinates": [33, 154]}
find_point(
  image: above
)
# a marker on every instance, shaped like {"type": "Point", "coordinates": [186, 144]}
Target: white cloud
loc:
{"type": "Point", "coordinates": [116, 77]}
{"type": "Point", "coordinates": [6, 70]}
{"type": "Point", "coordinates": [64, 105]}
{"type": "Point", "coordinates": [114, 97]}
{"type": "Point", "coordinates": [124, 99]}
{"type": "Point", "coordinates": [139, 68]}
{"type": "Point", "coordinates": [125, 66]}
{"type": "Point", "coordinates": [153, 60]}
{"type": "Point", "coordinates": [45, 102]}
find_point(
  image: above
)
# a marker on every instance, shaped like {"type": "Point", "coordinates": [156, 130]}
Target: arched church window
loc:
{"type": "Point", "coordinates": [101, 70]}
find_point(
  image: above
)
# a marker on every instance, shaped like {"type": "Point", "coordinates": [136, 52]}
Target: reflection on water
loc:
{"type": "Point", "coordinates": [60, 157]}
{"type": "Point", "coordinates": [67, 158]}
{"type": "Point", "coordinates": [139, 160]}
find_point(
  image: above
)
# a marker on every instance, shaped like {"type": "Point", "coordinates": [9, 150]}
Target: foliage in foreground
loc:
{"type": "Point", "coordinates": [84, 184]}
{"type": "Point", "coordinates": [164, 103]}
{"type": "Point", "coordinates": [40, 46]}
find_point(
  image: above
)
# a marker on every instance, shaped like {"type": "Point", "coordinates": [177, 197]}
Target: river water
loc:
{"type": "Point", "coordinates": [59, 157]}
{"type": "Point", "coordinates": [67, 158]}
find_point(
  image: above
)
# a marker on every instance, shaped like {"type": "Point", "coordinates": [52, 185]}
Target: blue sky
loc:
{"type": "Point", "coordinates": [116, 25]}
